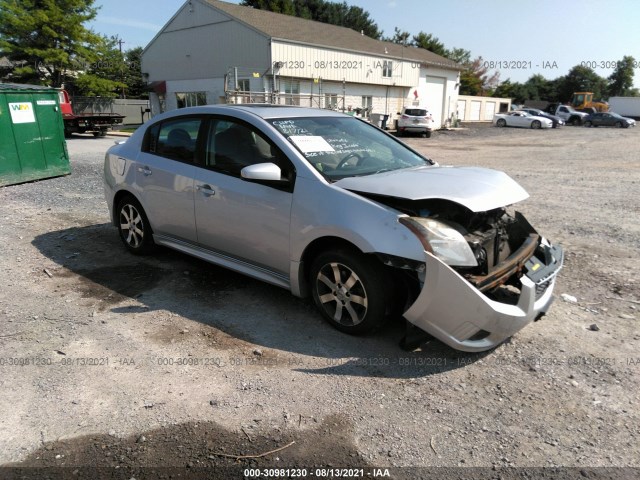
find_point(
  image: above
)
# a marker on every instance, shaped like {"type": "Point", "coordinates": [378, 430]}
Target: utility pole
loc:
{"type": "Point", "coordinates": [120, 42]}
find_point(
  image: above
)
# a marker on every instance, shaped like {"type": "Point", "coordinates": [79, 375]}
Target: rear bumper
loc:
{"type": "Point", "coordinates": [415, 128]}
{"type": "Point", "coordinates": [458, 314]}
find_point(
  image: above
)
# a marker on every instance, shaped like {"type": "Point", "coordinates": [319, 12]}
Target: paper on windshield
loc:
{"type": "Point", "coordinates": [311, 143]}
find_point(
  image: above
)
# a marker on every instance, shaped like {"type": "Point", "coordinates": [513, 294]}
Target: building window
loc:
{"type": "Point", "coordinates": [331, 101]}
{"type": "Point", "coordinates": [243, 85]}
{"type": "Point", "coordinates": [191, 99]}
{"type": "Point", "coordinates": [387, 68]}
{"type": "Point", "coordinates": [292, 92]}
{"type": "Point", "coordinates": [162, 101]}
{"type": "Point", "coordinates": [367, 105]}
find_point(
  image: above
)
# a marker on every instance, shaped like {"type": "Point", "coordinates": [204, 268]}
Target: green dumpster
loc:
{"type": "Point", "coordinates": [32, 144]}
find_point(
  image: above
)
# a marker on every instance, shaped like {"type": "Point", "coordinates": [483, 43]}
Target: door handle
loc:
{"type": "Point", "coordinates": [146, 171]}
{"type": "Point", "coordinates": [206, 190]}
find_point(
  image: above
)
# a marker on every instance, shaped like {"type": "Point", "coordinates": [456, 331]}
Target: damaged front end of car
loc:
{"type": "Point", "coordinates": [486, 275]}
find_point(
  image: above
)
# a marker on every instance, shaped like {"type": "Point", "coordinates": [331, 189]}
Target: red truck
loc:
{"type": "Point", "coordinates": [96, 123]}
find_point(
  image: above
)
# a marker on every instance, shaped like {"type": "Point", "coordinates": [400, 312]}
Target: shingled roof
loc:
{"type": "Point", "coordinates": [295, 29]}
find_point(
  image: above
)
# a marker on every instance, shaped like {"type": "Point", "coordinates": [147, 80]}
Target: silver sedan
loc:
{"type": "Point", "coordinates": [331, 207]}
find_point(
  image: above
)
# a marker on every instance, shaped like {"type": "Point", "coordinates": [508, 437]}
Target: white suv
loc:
{"type": "Point", "coordinates": [415, 120]}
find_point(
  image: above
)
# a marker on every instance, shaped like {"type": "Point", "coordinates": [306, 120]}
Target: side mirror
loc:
{"type": "Point", "coordinates": [261, 171]}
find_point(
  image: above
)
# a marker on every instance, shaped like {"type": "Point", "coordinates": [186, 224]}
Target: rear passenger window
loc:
{"type": "Point", "coordinates": [174, 139]}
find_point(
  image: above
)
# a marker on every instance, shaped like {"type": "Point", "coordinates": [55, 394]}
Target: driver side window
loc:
{"type": "Point", "coordinates": [232, 145]}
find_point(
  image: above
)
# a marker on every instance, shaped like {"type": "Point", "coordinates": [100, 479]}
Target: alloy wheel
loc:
{"type": "Point", "coordinates": [131, 226]}
{"type": "Point", "coordinates": [342, 294]}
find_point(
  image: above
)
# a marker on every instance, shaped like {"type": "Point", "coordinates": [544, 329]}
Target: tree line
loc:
{"type": "Point", "coordinates": [48, 43]}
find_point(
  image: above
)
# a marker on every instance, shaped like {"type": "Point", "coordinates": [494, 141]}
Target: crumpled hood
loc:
{"type": "Point", "coordinates": [478, 189]}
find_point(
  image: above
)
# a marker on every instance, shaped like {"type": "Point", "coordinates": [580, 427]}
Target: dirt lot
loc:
{"type": "Point", "coordinates": [161, 366]}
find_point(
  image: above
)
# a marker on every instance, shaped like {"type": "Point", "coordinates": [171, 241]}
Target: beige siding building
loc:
{"type": "Point", "coordinates": [217, 52]}
{"type": "Point", "coordinates": [480, 109]}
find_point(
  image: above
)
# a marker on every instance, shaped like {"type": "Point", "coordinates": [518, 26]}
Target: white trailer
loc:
{"type": "Point", "coordinates": [625, 106]}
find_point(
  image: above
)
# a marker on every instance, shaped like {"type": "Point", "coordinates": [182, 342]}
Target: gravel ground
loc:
{"type": "Point", "coordinates": [152, 364]}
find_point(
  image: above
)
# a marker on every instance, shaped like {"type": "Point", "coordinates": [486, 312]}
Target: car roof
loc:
{"type": "Point", "coordinates": [262, 110]}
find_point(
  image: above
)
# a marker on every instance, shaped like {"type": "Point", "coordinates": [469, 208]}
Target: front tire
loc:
{"type": "Point", "coordinates": [618, 124]}
{"type": "Point", "coordinates": [348, 289]}
{"type": "Point", "coordinates": [588, 123]}
{"type": "Point", "coordinates": [133, 226]}
{"type": "Point", "coordinates": [536, 124]}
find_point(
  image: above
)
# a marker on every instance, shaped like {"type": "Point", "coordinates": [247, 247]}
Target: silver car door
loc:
{"type": "Point", "coordinates": [521, 121]}
{"type": "Point", "coordinates": [246, 220]}
{"type": "Point", "coordinates": [165, 176]}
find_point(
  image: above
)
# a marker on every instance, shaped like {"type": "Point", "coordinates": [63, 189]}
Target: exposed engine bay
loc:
{"type": "Point", "coordinates": [502, 240]}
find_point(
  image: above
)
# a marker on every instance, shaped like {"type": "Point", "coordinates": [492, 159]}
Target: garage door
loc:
{"type": "Point", "coordinates": [475, 111]}
{"type": "Point", "coordinates": [489, 110]}
{"type": "Point", "coordinates": [462, 105]}
{"type": "Point", "coordinates": [435, 99]}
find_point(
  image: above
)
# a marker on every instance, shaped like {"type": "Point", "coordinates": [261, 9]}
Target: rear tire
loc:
{"type": "Point", "coordinates": [501, 123]}
{"type": "Point", "coordinates": [349, 290]}
{"type": "Point", "coordinates": [588, 123]}
{"type": "Point", "coordinates": [133, 226]}
{"type": "Point", "coordinates": [428, 134]}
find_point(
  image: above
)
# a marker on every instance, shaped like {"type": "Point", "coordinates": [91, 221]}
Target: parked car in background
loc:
{"type": "Point", "coordinates": [415, 120]}
{"type": "Point", "coordinates": [608, 119]}
{"type": "Point", "coordinates": [328, 206]}
{"type": "Point", "coordinates": [567, 113]}
{"type": "Point", "coordinates": [520, 119]}
{"type": "Point", "coordinates": [557, 121]}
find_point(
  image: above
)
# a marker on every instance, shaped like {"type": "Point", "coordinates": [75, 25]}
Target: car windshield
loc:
{"type": "Point", "coordinates": [340, 147]}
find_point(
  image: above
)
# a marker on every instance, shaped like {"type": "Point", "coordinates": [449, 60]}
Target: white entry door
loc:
{"type": "Point", "coordinates": [435, 99]}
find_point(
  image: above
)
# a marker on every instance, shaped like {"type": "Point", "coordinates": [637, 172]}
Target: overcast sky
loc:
{"type": "Point", "coordinates": [526, 37]}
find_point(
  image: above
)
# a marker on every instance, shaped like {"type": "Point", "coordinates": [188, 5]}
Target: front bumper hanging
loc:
{"type": "Point", "coordinates": [456, 312]}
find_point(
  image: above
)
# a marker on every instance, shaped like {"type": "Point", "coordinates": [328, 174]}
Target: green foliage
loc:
{"type": "Point", "coordinates": [580, 79]}
{"type": "Point", "coordinates": [90, 85]}
{"type": "Point", "coordinates": [429, 42]}
{"type": "Point", "coordinates": [621, 80]}
{"type": "Point", "coordinates": [459, 55]}
{"type": "Point", "coordinates": [476, 79]}
{"type": "Point", "coordinates": [47, 36]}
{"type": "Point", "coordinates": [539, 88]}
{"type": "Point", "coordinates": [136, 84]}
{"type": "Point", "coordinates": [278, 6]}
{"type": "Point", "coordinates": [104, 75]}
{"type": "Point", "coordinates": [334, 13]}
{"type": "Point", "coordinates": [400, 37]}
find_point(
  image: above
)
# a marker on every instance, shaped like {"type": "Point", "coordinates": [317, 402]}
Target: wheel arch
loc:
{"type": "Point", "coordinates": [119, 195]}
{"type": "Point", "coordinates": [311, 251]}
